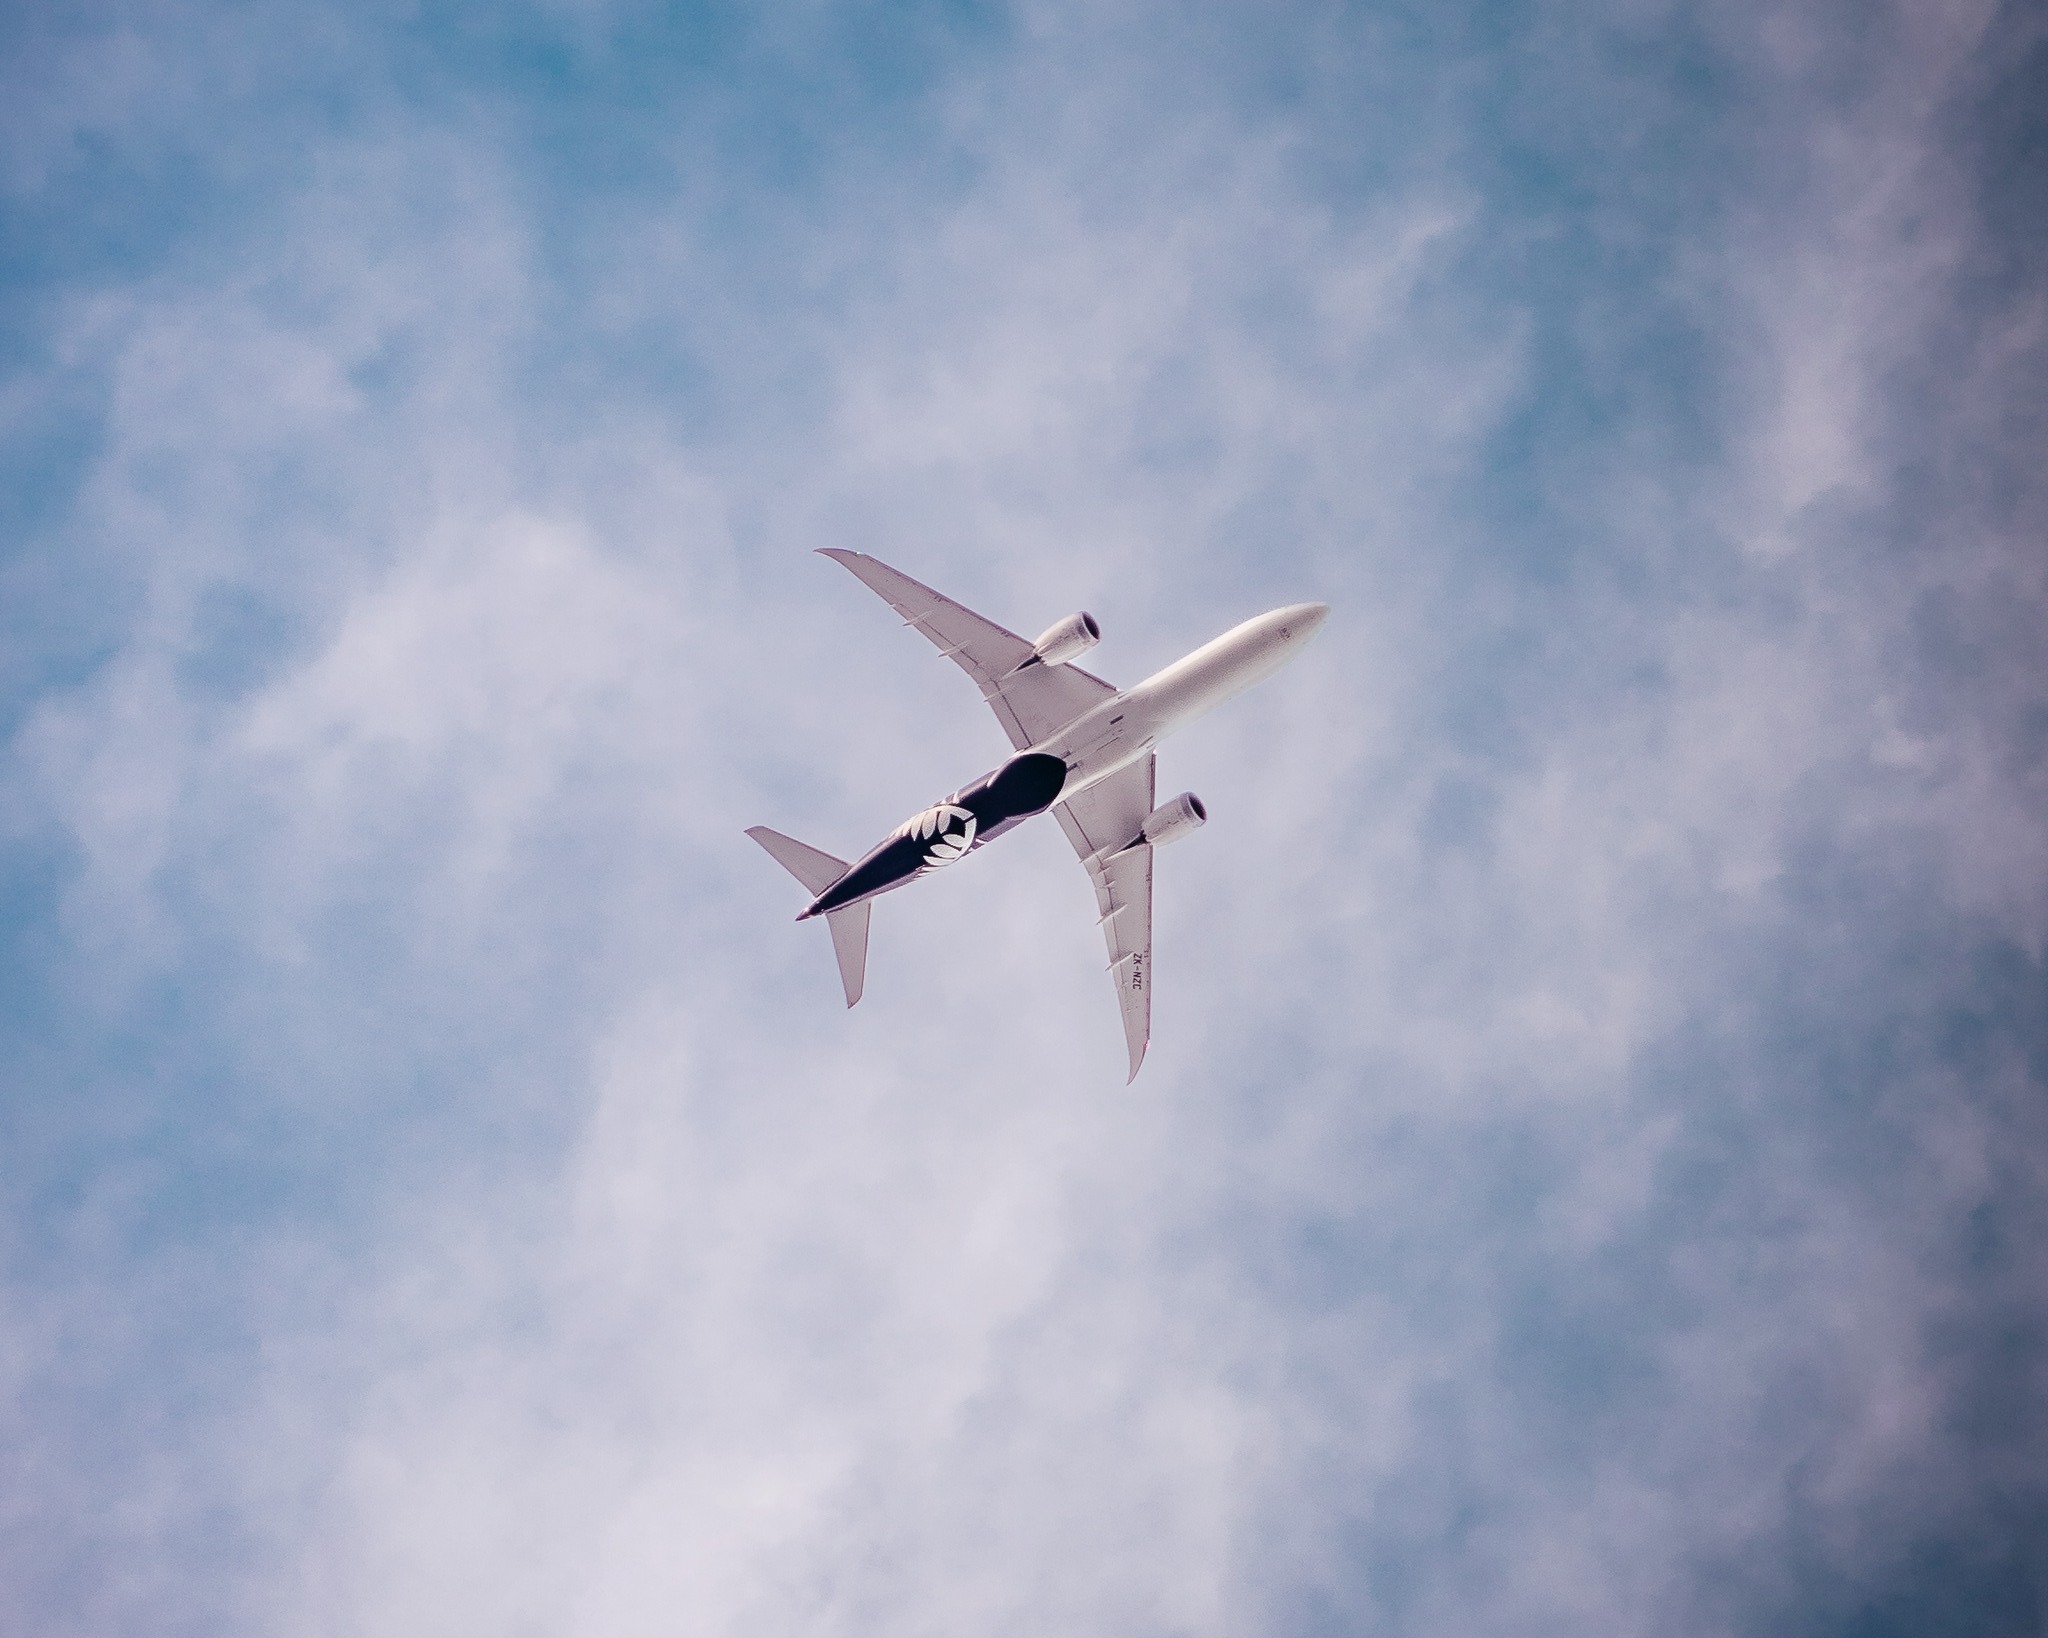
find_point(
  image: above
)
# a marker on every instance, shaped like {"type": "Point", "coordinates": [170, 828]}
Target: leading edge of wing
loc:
{"type": "Point", "coordinates": [1030, 701]}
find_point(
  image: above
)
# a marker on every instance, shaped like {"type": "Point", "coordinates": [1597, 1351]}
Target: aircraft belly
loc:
{"type": "Point", "coordinates": [1097, 756]}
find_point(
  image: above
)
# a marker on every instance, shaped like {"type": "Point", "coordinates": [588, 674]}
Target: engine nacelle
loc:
{"type": "Point", "coordinates": [1172, 820]}
{"type": "Point", "coordinates": [1069, 640]}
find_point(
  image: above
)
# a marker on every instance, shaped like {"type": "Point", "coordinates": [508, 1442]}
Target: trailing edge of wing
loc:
{"type": "Point", "coordinates": [1101, 823]}
{"type": "Point", "coordinates": [1030, 700]}
{"type": "Point", "coordinates": [850, 945]}
{"type": "Point", "coordinates": [1126, 881]}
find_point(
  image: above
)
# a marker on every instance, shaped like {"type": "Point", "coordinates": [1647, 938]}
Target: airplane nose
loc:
{"type": "Point", "coordinates": [1304, 620]}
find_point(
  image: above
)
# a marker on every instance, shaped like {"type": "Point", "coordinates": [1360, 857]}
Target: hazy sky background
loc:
{"type": "Point", "coordinates": [1591, 1175]}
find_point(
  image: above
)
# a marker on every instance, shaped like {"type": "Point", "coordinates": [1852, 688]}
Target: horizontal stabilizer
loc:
{"type": "Point", "coordinates": [817, 871]}
{"type": "Point", "coordinates": [850, 945]}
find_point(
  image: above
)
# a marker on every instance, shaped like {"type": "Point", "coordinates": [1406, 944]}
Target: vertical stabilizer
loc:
{"type": "Point", "coordinates": [850, 944]}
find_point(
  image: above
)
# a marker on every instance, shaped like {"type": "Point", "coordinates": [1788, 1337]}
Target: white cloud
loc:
{"type": "Point", "coordinates": [1412, 1275]}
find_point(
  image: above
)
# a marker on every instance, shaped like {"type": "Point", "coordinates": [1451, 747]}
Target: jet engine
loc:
{"type": "Point", "coordinates": [1071, 638]}
{"type": "Point", "coordinates": [1172, 820]}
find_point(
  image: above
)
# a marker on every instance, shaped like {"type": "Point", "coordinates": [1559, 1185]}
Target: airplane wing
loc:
{"type": "Point", "coordinates": [1030, 703]}
{"type": "Point", "coordinates": [1107, 816]}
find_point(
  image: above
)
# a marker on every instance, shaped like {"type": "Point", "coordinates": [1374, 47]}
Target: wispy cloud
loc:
{"type": "Point", "coordinates": [1589, 1169]}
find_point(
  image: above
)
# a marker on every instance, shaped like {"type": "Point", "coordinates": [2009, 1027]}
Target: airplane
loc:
{"type": "Point", "coordinates": [1085, 749]}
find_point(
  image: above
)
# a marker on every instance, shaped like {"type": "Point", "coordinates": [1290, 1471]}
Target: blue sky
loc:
{"type": "Point", "coordinates": [1592, 1169]}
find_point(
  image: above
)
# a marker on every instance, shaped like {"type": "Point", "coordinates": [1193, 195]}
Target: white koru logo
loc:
{"type": "Point", "coordinates": [954, 828]}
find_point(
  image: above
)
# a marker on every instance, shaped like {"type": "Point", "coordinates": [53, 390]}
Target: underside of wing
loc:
{"type": "Point", "coordinates": [1102, 822]}
{"type": "Point", "coordinates": [1030, 699]}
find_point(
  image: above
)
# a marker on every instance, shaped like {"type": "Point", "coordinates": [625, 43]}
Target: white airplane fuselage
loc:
{"type": "Point", "coordinates": [1123, 729]}
{"type": "Point", "coordinates": [1130, 725]}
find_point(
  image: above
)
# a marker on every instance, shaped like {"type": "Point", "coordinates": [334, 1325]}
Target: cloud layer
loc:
{"type": "Point", "coordinates": [1590, 1172]}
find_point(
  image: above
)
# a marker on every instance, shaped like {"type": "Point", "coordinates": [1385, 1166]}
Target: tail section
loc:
{"type": "Point", "coordinates": [818, 871]}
